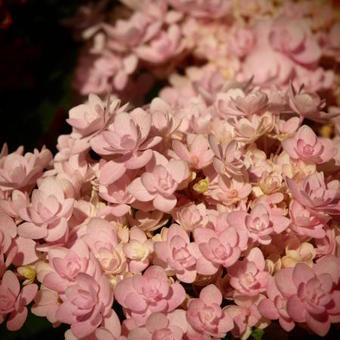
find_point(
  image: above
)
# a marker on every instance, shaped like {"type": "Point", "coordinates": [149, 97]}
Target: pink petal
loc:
{"type": "Point", "coordinates": [165, 204]}
{"type": "Point", "coordinates": [211, 294]}
{"type": "Point", "coordinates": [17, 319]}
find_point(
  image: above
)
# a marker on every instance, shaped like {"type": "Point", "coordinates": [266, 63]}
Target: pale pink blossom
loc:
{"type": "Point", "coordinates": [85, 303]}
{"type": "Point", "coordinates": [113, 183]}
{"type": "Point", "coordinates": [275, 307]}
{"type": "Point", "coordinates": [312, 294]}
{"type": "Point", "coordinates": [315, 194]}
{"type": "Point", "coordinates": [165, 45]}
{"type": "Point", "coordinates": [222, 246]}
{"type": "Point", "coordinates": [241, 42]}
{"type": "Point", "coordinates": [246, 315]}
{"type": "Point", "coordinates": [47, 215]}
{"type": "Point", "coordinates": [102, 240]}
{"type": "Point", "coordinates": [191, 216]}
{"type": "Point", "coordinates": [305, 223]}
{"type": "Point", "coordinates": [13, 301]}
{"type": "Point", "coordinates": [65, 264]}
{"type": "Point", "coordinates": [306, 145]}
{"type": "Point", "coordinates": [264, 221]}
{"type": "Point", "coordinates": [249, 276]}
{"type": "Point", "coordinates": [127, 138]}
{"type": "Point", "coordinates": [159, 326]}
{"type": "Point", "coordinates": [18, 171]}
{"type": "Point", "coordinates": [178, 253]}
{"type": "Point", "coordinates": [197, 152]}
{"type": "Point", "coordinates": [138, 250]}
{"type": "Point", "coordinates": [205, 314]}
{"type": "Point", "coordinates": [143, 295]}
{"type": "Point", "coordinates": [46, 304]}
{"type": "Point", "coordinates": [160, 183]}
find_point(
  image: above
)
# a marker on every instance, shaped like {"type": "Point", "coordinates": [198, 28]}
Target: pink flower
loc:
{"type": "Point", "coordinates": [229, 160]}
{"type": "Point", "coordinates": [235, 103]}
{"type": "Point", "coordinates": [127, 138]}
{"type": "Point", "coordinates": [222, 246]}
{"type": "Point", "coordinates": [191, 216]}
{"type": "Point", "coordinates": [305, 223]}
{"type": "Point", "coordinates": [143, 295]}
{"type": "Point", "coordinates": [179, 253]}
{"type": "Point", "coordinates": [46, 304]}
{"type": "Point", "coordinates": [205, 314]}
{"type": "Point", "coordinates": [65, 264]}
{"type": "Point", "coordinates": [13, 301]}
{"type": "Point", "coordinates": [160, 326]}
{"type": "Point", "coordinates": [264, 221]}
{"type": "Point", "coordinates": [307, 146]}
{"type": "Point", "coordinates": [8, 231]}
{"type": "Point", "coordinates": [316, 195]}
{"type": "Point", "coordinates": [241, 42]}
{"type": "Point", "coordinates": [245, 315]}
{"type": "Point", "coordinates": [275, 307]}
{"type": "Point", "coordinates": [47, 215]}
{"type": "Point", "coordinates": [312, 294]}
{"type": "Point", "coordinates": [87, 118]}
{"type": "Point", "coordinates": [293, 38]}
{"type": "Point", "coordinates": [113, 185]}
{"type": "Point", "coordinates": [138, 250]}
{"type": "Point", "coordinates": [248, 276]}
{"type": "Point", "coordinates": [85, 303]}
{"type": "Point", "coordinates": [160, 183]}
{"type": "Point", "coordinates": [102, 239]}
{"type": "Point", "coordinates": [165, 45]}
{"type": "Point", "coordinates": [19, 171]}
{"type": "Point", "coordinates": [198, 154]}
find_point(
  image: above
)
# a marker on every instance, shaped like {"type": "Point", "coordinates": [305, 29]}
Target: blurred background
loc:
{"type": "Point", "coordinates": [37, 59]}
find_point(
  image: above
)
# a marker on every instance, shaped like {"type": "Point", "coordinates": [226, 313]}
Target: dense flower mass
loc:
{"type": "Point", "coordinates": [211, 211]}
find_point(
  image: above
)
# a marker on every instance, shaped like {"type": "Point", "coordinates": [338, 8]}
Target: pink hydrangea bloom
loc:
{"type": "Point", "coordinates": [305, 223]}
{"type": "Point", "coordinates": [191, 216]}
{"type": "Point", "coordinates": [198, 154]}
{"type": "Point", "coordinates": [18, 171]}
{"type": "Point", "coordinates": [143, 295]}
{"type": "Point", "coordinates": [66, 264]}
{"type": "Point", "coordinates": [264, 221]}
{"type": "Point", "coordinates": [159, 326]}
{"type": "Point", "coordinates": [307, 146]}
{"type": "Point", "coordinates": [205, 314]}
{"type": "Point", "coordinates": [222, 246]}
{"type": "Point", "coordinates": [178, 253]}
{"type": "Point", "coordinates": [275, 307]}
{"type": "Point", "coordinates": [241, 42]}
{"type": "Point", "coordinates": [102, 240]}
{"type": "Point", "coordinates": [312, 293]}
{"type": "Point", "coordinates": [138, 250]}
{"type": "Point", "coordinates": [165, 45]}
{"type": "Point", "coordinates": [128, 139]}
{"type": "Point", "coordinates": [13, 302]}
{"type": "Point", "coordinates": [315, 194]}
{"type": "Point", "coordinates": [249, 276]}
{"type": "Point", "coordinates": [85, 303]}
{"type": "Point", "coordinates": [160, 183]}
{"type": "Point", "coordinates": [47, 215]}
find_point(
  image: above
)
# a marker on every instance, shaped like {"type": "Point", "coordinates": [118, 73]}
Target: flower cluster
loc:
{"type": "Point", "coordinates": [210, 42]}
{"type": "Point", "coordinates": [211, 211]}
{"type": "Point", "coordinates": [179, 219]}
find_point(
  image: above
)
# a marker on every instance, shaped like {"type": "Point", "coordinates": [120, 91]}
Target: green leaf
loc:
{"type": "Point", "coordinates": [257, 333]}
